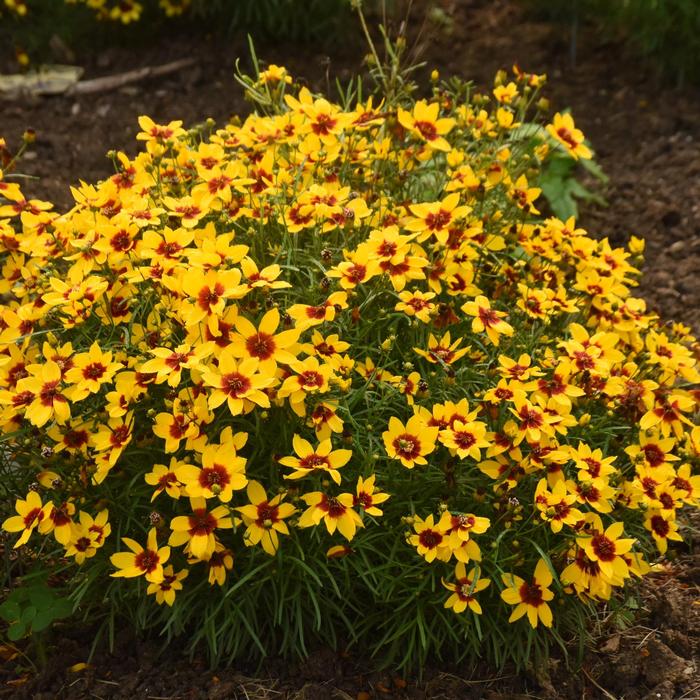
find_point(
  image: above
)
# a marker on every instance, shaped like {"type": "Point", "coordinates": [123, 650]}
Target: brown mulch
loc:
{"type": "Point", "coordinates": [646, 135]}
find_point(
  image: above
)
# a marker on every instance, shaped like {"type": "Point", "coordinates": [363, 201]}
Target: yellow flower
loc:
{"type": "Point", "coordinates": [239, 383]}
{"type": "Point", "coordinates": [264, 518]}
{"type": "Point", "coordinates": [222, 473]}
{"type": "Point", "coordinates": [31, 512]}
{"type": "Point", "coordinates": [424, 123]}
{"type": "Point", "coordinates": [196, 531]}
{"type": "Point", "coordinates": [487, 319]}
{"type": "Point", "coordinates": [530, 597]}
{"type": "Point", "coordinates": [165, 590]}
{"type": "Point", "coordinates": [367, 497]}
{"type": "Point", "coordinates": [464, 589]}
{"type": "Point", "coordinates": [565, 132]}
{"type": "Point", "coordinates": [264, 344]}
{"type": "Point", "coordinates": [141, 561]}
{"type": "Point", "coordinates": [409, 443]}
{"type": "Point", "coordinates": [309, 461]}
{"type": "Point", "coordinates": [47, 401]}
{"type": "Point", "coordinates": [335, 511]}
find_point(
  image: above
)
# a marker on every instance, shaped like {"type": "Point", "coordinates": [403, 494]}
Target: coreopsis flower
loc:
{"type": "Point", "coordinates": [597, 493]}
{"type": "Point", "coordinates": [519, 370]}
{"type": "Point", "coordinates": [586, 577]}
{"type": "Point", "coordinates": [662, 527]}
{"type": "Point", "coordinates": [196, 530]}
{"type": "Point", "coordinates": [59, 520]}
{"type": "Point", "coordinates": [418, 304]}
{"type": "Point", "coordinates": [173, 428]}
{"type": "Point", "coordinates": [264, 343]}
{"type": "Point", "coordinates": [88, 536]}
{"type": "Point", "coordinates": [652, 449]}
{"type": "Point", "coordinates": [667, 414]}
{"type": "Point", "coordinates": [114, 437]}
{"type": "Point", "coordinates": [424, 123]}
{"type": "Point", "coordinates": [239, 383]}
{"type": "Point", "coordinates": [487, 320]}
{"type": "Point", "coordinates": [218, 564]}
{"type": "Point", "coordinates": [465, 438]}
{"type": "Point", "coordinates": [307, 377]}
{"type": "Point", "coordinates": [368, 497]}
{"type": "Point", "coordinates": [464, 589]}
{"type": "Point", "coordinates": [443, 351]}
{"type": "Point", "coordinates": [591, 463]}
{"type": "Point", "coordinates": [222, 472]}
{"type": "Point", "coordinates": [44, 384]}
{"type": "Point", "coordinates": [606, 548]}
{"type": "Point", "coordinates": [264, 518]}
{"type": "Point", "coordinates": [530, 597]}
{"type": "Point", "coordinates": [30, 513]}
{"type": "Point", "coordinates": [411, 442]}
{"type": "Point", "coordinates": [565, 132]}
{"type": "Point", "coordinates": [687, 485]}
{"type": "Point", "coordinates": [306, 315]}
{"type": "Point", "coordinates": [322, 459]}
{"type": "Point", "coordinates": [430, 538]}
{"type": "Point", "coordinates": [89, 371]}
{"type": "Point", "coordinates": [167, 365]}
{"type": "Point", "coordinates": [166, 589]}
{"type": "Point", "coordinates": [325, 420]}
{"type": "Point", "coordinates": [524, 196]}
{"type": "Point", "coordinates": [358, 268]}
{"type": "Point", "coordinates": [436, 218]}
{"type": "Point", "coordinates": [209, 292]}
{"type": "Point", "coordinates": [141, 561]}
{"type": "Point", "coordinates": [557, 506]}
{"type": "Point", "coordinates": [335, 511]}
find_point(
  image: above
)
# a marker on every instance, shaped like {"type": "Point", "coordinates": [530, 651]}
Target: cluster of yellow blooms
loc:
{"type": "Point", "coordinates": [124, 11]}
{"type": "Point", "coordinates": [327, 320]}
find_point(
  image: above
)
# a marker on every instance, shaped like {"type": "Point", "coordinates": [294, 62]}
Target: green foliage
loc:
{"type": "Point", "coordinates": [33, 607]}
{"type": "Point", "coordinates": [562, 188]}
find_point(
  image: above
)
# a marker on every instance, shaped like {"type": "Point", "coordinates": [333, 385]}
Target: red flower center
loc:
{"type": "Point", "coordinates": [235, 384]}
{"type": "Point", "coordinates": [94, 370]}
{"type": "Point", "coordinates": [214, 476]}
{"type": "Point", "coordinates": [531, 594]}
{"type": "Point", "coordinates": [407, 446]}
{"type": "Point", "coordinates": [202, 523]}
{"type": "Point", "coordinates": [430, 538]}
{"type": "Point", "coordinates": [603, 547]}
{"type": "Point", "coordinates": [428, 130]}
{"type": "Point", "coordinates": [261, 345]}
{"type": "Point", "coordinates": [147, 561]}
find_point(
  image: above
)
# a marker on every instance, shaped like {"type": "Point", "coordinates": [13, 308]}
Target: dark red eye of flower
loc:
{"type": "Point", "coordinates": [531, 594]}
{"type": "Point", "coordinates": [430, 539]}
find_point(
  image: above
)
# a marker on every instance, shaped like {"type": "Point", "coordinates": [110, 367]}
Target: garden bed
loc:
{"type": "Point", "coordinates": [651, 157]}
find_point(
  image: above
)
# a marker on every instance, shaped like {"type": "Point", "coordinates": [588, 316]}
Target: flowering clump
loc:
{"type": "Point", "coordinates": [327, 359]}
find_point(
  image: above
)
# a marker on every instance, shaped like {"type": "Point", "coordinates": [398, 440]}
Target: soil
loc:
{"type": "Point", "coordinates": [646, 135]}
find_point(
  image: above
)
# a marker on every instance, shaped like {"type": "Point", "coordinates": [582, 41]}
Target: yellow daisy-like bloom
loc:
{"type": "Point", "coordinates": [367, 497]}
{"type": "Point", "coordinates": [44, 388]}
{"type": "Point", "coordinates": [31, 512]}
{"type": "Point", "coordinates": [606, 548]}
{"type": "Point", "coordinates": [530, 597]}
{"type": "Point", "coordinates": [565, 132]}
{"type": "Point", "coordinates": [90, 371]}
{"type": "Point", "coordinates": [264, 344]}
{"type": "Point", "coordinates": [196, 531]}
{"type": "Point", "coordinates": [443, 351]}
{"type": "Point", "coordinates": [335, 511]}
{"type": "Point", "coordinates": [239, 383]}
{"type": "Point", "coordinates": [309, 460]}
{"type": "Point", "coordinates": [431, 539]}
{"type": "Point", "coordinates": [222, 473]}
{"type": "Point", "coordinates": [166, 589]}
{"type": "Point", "coordinates": [487, 319]}
{"type": "Point", "coordinates": [264, 518]}
{"type": "Point", "coordinates": [424, 123]}
{"type": "Point", "coordinates": [464, 589]}
{"type": "Point", "coordinates": [168, 363]}
{"type": "Point", "coordinates": [141, 561]}
{"type": "Point", "coordinates": [411, 442]}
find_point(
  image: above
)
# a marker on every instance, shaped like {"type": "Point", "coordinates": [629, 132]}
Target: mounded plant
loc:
{"type": "Point", "coordinates": [327, 375]}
